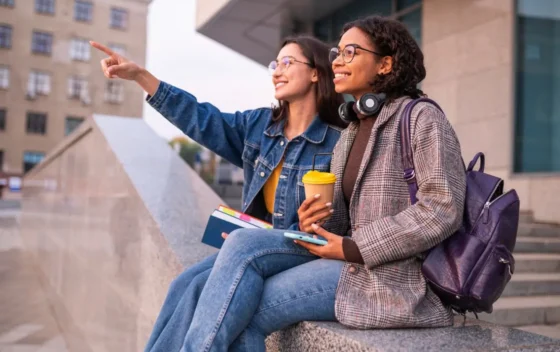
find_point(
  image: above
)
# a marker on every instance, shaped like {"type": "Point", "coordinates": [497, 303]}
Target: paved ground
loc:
{"type": "Point", "coordinates": [26, 321]}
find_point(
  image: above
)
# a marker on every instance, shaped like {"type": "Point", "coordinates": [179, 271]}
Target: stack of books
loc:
{"type": "Point", "coordinates": [226, 220]}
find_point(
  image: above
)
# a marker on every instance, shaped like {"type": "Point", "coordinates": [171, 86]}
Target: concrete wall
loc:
{"type": "Point", "coordinates": [469, 51]}
{"type": "Point", "coordinates": [110, 218]}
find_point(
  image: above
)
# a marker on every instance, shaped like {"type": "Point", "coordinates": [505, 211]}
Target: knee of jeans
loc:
{"type": "Point", "coordinates": [238, 237]}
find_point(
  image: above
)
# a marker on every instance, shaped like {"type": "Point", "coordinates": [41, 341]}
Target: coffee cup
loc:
{"type": "Point", "coordinates": [318, 182]}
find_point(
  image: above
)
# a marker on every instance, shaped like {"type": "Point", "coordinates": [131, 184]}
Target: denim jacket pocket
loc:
{"type": "Point", "coordinates": [250, 156]}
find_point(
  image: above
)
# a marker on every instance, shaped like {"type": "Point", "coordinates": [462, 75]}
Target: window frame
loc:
{"type": "Point", "coordinates": [11, 3]}
{"type": "Point", "coordinates": [37, 74]}
{"type": "Point", "coordinates": [36, 154]}
{"type": "Point", "coordinates": [110, 95]}
{"type": "Point", "coordinates": [3, 119]}
{"type": "Point", "coordinates": [80, 43]}
{"type": "Point", "coordinates": [29, 123]}
{"type": "Point", "coordinates": [78, 3]}
{"type": "Point", "coordinates": [112, 24]}
{"type": "Point", "coordinates": [8, 74]}
{"type": "Point", "coordinates": [42, 9]}
{"type": "Point", "coordinates": [9, 28]}
{"type": "Point", "coordinates": [71, 85]}
{"type": "Point", "coordinates": [67, 119]}
{"type": "Point", "coordinates": [49, 35]}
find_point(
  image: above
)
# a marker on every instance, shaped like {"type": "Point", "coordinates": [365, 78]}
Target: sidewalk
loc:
{"type": "Point", "coordinates": [26, 320]}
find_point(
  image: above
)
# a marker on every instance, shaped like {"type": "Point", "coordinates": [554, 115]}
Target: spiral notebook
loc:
{"type": "Point", "coordinates": [225, 219]}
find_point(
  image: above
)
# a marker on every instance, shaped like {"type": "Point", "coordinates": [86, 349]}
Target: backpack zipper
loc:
{"type": "Point", "coordinates": [485, 214]}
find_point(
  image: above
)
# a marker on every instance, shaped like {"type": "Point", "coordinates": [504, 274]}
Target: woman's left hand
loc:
{"type": "Point", "coordinates": [332, 250]}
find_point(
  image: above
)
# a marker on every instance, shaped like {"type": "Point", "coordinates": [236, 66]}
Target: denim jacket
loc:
{"type": "Point", "coordinates": [252, 141]}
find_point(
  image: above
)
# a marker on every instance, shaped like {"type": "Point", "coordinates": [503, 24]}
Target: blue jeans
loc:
{"type": "Point", "coordinates": [177, 311]}
{"type": "Point", "coordinates": [261, 282]}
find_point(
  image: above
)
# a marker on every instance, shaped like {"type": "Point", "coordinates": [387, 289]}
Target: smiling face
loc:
{"type": "Point", "coordinates": [354, 75]}
{"type": "Point", "coordinates": [296, 79]}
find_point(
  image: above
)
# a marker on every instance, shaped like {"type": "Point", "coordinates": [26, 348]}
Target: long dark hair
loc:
{"type": "Point", "coordinates": [328, 100]}
{"type": "Point", "coordinates": [391, 38]}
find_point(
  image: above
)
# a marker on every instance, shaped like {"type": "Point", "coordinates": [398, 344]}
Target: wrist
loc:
{"type": "Point", "coordinates": [147, 81]}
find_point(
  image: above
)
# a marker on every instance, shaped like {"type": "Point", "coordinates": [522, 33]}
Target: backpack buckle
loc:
{"type": "Point", "coordinates": [409, 175]}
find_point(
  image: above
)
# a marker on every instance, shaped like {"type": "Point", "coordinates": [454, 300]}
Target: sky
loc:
{"type": "Point", "coordinates": [179, 55]}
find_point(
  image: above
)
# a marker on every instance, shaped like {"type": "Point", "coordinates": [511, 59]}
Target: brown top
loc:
{"type": "Point", "coordinates": [357, 151]}
{"type": "Point", "coordinates": [355, 157]}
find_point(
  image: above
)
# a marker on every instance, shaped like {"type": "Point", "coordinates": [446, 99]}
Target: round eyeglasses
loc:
{"type": "Point", "coordinates": [284, 63]}
{"type": "Point", "coordinates": [348, 53]}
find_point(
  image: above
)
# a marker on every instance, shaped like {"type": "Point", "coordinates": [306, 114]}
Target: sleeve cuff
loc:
{"type": "Point", "coordinates": [161, 93]}
{"type": "Point", "coordinates": [351, 251]}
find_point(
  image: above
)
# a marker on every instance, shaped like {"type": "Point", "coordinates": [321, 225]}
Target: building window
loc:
{"type": "Point", "coordinates": [119, 18]}
{"type": "Point", "coordinates": [537, 111]}
{"type": "Point", "coordinates": [39, 83]}
{"type": "Point", "coordinates": [2, 119]}
{"type": "Point", "coordinates": [409, 12]}
{"type": "Point", "coordinates": [30, 159]}
{"type": "Point", "coordinates": [118, 49]}
{"type": "Point", "coordinates": [83, 11]}
{"type": "Point", "coordinates": [5, 36]}
{"type": "Point", "coordinates": [44, 6]}
{"type": "Point", "coordinates": [4, 77]}
{"type": "Point", "coordinates": [71, 124]}
{"type": "Point", "coordinates": [114, 92]}
{"type": "Point", "coordinates": [77, 87]}
{"type": "Point", "coordinates": [80, 49]}
{"type": "Point", "coordinates": [7, 3]}
{"type": "Point", "coordinates": [36, 123]}
{"type": "Point", "coordinates": [42, 43]}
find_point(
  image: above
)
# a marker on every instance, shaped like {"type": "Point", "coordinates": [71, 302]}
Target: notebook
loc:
{"type": "Point", "coordinates": [225, 219]}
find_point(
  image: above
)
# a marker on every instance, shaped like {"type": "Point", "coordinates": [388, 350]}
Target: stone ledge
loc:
{"type": "Point", "coordinates": [475, 335]}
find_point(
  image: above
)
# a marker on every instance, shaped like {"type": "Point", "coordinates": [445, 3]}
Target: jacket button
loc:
{"type": "Point", "coordinates": [262, 174]}
{"type": "Point", "coordinates": [282, 143]}
{"type": "Point", "coordinates": [353, 269]}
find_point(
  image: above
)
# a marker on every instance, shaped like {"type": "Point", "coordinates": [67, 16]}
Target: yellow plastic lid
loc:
{"type": "Point", "coordinates": [315, 177]}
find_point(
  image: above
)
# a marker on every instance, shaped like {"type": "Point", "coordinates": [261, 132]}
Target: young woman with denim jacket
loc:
{"type": "Point", "coordinates": [275, 148]}
{"type": "Point", "coordinates": [368, 275]}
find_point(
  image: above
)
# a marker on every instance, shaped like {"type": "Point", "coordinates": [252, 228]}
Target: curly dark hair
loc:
{"type": "Point", "coordinates": [328, 100]}
{"type": "Point", "coordinates": [391, 38]}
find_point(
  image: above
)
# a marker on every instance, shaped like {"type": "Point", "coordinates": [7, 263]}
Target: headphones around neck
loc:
{"type": "Point", "coordinates": [369, 104]}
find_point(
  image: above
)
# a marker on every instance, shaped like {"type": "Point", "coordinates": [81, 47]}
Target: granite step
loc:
{"type": "Point", "coordinates": [538, 230]}
{"type": "Point", "coordinates": [472, 335]}
{"type": "Point", "coordinates": [528, 284]}
{"type": "Point", "coordinates": [552, 331]}
{"type": "Point", "coordinates": [526, 217]}
{"type": "Point", "coordinates": [533, 244]}
{"type": "Point", "coordinates": [523, 311]}
{"type": "Point", "coordinates": [537, 263]}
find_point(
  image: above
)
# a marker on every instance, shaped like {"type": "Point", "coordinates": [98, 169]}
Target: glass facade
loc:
{"type": "Point", "coordinates": [409, 12]}
{"type": "Point", "coordinates": [537, 127]}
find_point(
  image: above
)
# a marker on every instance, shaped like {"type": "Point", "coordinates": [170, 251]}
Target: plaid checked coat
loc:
{"type": "Point", "coordinates": [389, 291]}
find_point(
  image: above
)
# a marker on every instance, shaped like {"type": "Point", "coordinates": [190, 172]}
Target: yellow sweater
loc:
{"type": "Point", "coordinates": [269, 189]}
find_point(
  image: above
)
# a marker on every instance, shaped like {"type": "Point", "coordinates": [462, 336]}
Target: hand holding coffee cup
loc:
{"type": "Point", "coordinates": [319, 191]}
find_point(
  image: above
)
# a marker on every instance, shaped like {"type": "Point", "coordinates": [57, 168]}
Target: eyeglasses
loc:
{"type": "Point", "coordinates": [284, 63]}
{"type": "Point", "coordinates": [348, 53]}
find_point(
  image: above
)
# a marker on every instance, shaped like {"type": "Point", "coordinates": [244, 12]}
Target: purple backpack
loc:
{"type": "Point", "coordinates": [470, 269]}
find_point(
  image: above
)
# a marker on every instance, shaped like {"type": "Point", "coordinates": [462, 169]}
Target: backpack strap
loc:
{"type": "Point", "coordinates": [406, 146]}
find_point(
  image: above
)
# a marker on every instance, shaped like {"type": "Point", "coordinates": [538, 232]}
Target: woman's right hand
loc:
{"type": "Point", "coordinates": [313, 211]}
{"type": "Point", "coordinates": [117, 66]}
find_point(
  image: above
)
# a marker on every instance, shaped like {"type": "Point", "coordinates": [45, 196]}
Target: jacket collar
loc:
{"type": "Point", "coordinates": [315, 133]}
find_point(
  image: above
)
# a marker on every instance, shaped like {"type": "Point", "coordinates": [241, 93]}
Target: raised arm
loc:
{"type": "Point", "coordinates": [223, 133]}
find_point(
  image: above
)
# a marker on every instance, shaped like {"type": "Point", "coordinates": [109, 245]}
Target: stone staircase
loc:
{"type": "Point", "coordinates": [531, 300]}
